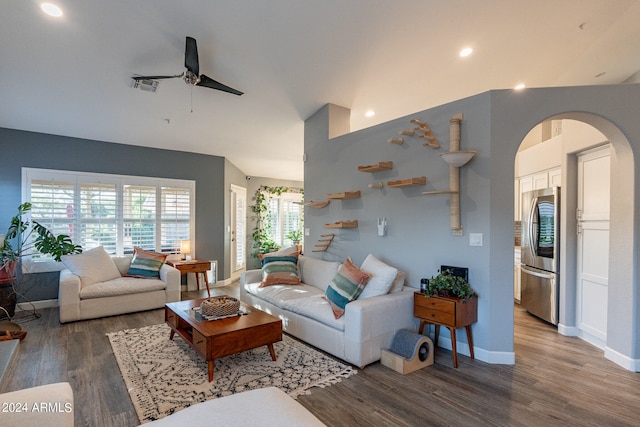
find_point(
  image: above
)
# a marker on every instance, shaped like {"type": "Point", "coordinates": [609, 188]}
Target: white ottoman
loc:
{"type": "Point", "coordinates": [264, 407]}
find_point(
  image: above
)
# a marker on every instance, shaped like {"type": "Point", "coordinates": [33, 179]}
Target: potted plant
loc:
{"type": "Point", "coordinates": [448, 284]}
{"type": "Point", "coordinates": [295, 236]}
{"type": "Point", "coordinates": [23, 236]}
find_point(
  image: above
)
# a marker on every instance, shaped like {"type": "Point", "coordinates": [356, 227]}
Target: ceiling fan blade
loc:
{"type": "Point", "coordinates": [212, 84]}
{"type": "Point", "coordinates": [191, 56]}
{"type": "Point", "coordinates": [155, 77]}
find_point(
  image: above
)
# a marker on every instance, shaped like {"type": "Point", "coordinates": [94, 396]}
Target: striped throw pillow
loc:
{"type": "Point", "coordinates": [280, 270]}
{"type": "Point", "coordinates": [346, 286]}
{"type": "Point", "coordinates": [146, 264]}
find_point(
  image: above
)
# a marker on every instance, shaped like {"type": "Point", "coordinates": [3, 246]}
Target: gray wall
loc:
{"type": "Point", "coordinates": [28, 149]}
{"type": "Point", "coordinates": [419, 239]}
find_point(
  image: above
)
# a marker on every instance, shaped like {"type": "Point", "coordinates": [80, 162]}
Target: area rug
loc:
{"type": "Point", "coordinates": [164, 376]}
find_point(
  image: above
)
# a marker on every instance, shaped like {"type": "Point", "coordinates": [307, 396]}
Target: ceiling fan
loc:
{"type": "Point", "coordinates": [191, 75]}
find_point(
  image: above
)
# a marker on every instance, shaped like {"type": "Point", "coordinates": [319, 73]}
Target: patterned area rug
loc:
{"type": "Point", "coordinates": [165, 376]}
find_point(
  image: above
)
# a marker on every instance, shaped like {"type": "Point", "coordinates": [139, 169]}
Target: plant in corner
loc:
{"type": "Point", "coordinates": [448, 284]}
{"type": "Point", "coordinates": [295, 236]}
{"type": "Point", "coordinates": [23, 238]}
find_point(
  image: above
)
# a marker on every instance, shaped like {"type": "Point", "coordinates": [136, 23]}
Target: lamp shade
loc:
{"type": "Point", "coordinates": [185, 246]}
{"type": "Point", "coordinates": [458, 158]}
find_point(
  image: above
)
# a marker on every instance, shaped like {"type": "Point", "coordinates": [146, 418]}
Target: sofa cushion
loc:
{"type": "Point", "coordinates": [146, 264]}
{"type": "Point", "coordinates": [346, 286]}
{"type": "Point", "coordinates": [92, 266]}
{"type": "Point", "coordinates": [317, 272]}
{"type": "Point", "coordinates": [121, 286]}
{"type": "Point", "coordinates": [382, 276]}
{"type": "Point", "coordinates": [280, 270]}
{"type": "Point", "coordinates": [317, 308]}
{"type": "Point", "coordinates": [278, 295]}
{"type": "Point", "coordinates": [398, 283]}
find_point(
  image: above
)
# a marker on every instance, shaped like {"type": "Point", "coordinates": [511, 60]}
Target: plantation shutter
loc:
{"type": "Point", "coordinates": [175, 217]}
{"type": "Point", "coordinates": [139, 217]}
{"type": "Point", "coordinates": [98, 216]}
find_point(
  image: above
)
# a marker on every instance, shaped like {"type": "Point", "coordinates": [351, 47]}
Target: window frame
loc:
{"type": "Point", "coordinates": [121, 181]}
{"type": "Point", "coordinates": [289, 196]}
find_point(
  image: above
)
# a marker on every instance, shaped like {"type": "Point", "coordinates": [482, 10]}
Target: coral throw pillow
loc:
{"type": "Point", "coordinates": [346, 286]}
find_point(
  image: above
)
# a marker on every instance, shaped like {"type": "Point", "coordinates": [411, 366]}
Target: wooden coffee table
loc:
{"type": "Point", "coordinates": [218, 338]}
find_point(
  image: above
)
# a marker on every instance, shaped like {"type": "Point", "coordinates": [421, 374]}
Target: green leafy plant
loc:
{"type": "Point", "coordinates": [21, 230]}
{"type": "Point", "coordinates": [294, 235]}
{"type": "Point", "coordinates": [447, 283]}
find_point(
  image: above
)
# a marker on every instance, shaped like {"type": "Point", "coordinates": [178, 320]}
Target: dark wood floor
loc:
{"type": "Point", "coordinates": [557, 380]}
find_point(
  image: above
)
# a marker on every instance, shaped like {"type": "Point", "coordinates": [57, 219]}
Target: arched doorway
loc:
{"type": "Point", "coordinates": [620, 272]}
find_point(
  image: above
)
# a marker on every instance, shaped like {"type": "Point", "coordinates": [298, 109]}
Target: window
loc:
{"type": "Point", "coordinates": [113, 211]}
{"type": "Point", "coordinates": [284, 214]}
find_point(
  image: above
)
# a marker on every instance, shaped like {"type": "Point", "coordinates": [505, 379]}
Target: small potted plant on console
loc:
{"type": "Point", "coordinates": [448, 284]}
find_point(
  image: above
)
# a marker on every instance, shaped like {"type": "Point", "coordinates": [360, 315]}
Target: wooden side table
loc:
{"type": "Point", "coordinates": [449, 312]}
{"type": "Point", "coordinates": [196, 266]}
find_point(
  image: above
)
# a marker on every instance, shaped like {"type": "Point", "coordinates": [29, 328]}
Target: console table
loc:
{"type": "Point", "coordinates": [449, 312]}
{"type": "Point", "coordinates": [196, 266]}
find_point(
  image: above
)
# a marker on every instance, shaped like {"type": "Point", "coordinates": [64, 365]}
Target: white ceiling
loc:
{"type": "Point", "coordinates": [72, 75]}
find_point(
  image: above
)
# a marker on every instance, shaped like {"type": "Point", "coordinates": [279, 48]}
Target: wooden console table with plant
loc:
{"type": "Point", "coordinates": [450, 312]}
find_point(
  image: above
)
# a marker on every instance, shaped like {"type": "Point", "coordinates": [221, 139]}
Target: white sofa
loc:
{"type": "Point", "coordinates": [41, 406]}
{"type": "Point", "coordinates": [367, 326]}
{"type": "Point", "coordinates": [117, 296]}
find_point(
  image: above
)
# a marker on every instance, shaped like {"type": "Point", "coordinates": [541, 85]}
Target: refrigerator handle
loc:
{"type": "Point", "coordinates": [533, 232]}
{"type": "Point", "coordinates": [544, 275]}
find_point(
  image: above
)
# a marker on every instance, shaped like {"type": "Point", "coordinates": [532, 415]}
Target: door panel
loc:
{"type": "Point", "coordinates": [238, 226]}
{"type": "Point", "coordinates": [593, 245]}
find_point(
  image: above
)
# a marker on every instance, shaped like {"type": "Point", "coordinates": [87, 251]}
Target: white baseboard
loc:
{"type": "Point", "coordinates": [568, 331]}
{"type": "Point", "coordinates": [45, 303]}
{"type": "Point", "coordinates": [493, 357]}
{"type": "Point", "coordinates": [626, 362]}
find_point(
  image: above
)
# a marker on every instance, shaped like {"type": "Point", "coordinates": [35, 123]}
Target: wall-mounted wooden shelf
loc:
{"type": "Point", "coordinates": [421, 180]}
{"type": "Point", "coordinates": [353, 223]}
{"type": "Point", "coordinates": [398, 141]}
{"type": "Point", "coordinates": [323, 243]}
{"type": "Point", "coordinates": [380, 166]}
{"type": "Point", "coordinates": [440, 192]}
{"type": "Point", "coordinates": [317, 204]}
{"type": "Point", "coordinates": [345, 195]}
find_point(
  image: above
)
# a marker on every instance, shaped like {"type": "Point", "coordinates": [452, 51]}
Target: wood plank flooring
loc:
{"type": "Point", "coordinates": [557, 380]}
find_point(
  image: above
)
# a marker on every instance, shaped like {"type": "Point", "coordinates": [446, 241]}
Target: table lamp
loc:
{"type": "Point", "coordinates": [185, 248]}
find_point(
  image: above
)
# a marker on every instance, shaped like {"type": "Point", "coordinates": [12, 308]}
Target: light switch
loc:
{"type": "Point", "coordinates": [475, 239]}
{"type": "Point", "coordinates": [307, 231]}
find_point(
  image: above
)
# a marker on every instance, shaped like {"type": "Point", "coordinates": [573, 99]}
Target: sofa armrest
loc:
{"type": "Point", "coordinates": [46, 405]}
{"type": "Point", "coordinates": [250, 276]}
{"type": "Point", "coordinates": [171, 276]}
{"type": "Point", "coordinates": [69, 296]}
{"type": "Point", "coordinates": [379, 316]}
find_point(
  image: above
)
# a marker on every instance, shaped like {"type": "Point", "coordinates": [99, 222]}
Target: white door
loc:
{"type": "Point", "coordinates": [593, 244]}
{"type": "Point", "coordinates": [238, 229]}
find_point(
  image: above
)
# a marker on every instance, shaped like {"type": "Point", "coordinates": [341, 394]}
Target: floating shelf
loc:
{"type": "Point", "coordinates": [345, 195]}
{"type": "Point", "coordinates": [324, 243]}
{"type": "Point", "coordinates": [421, 180]}
{"type": "Point", "coordinates": [396, 141]}
{"type": "Point", "coordinates": [317, 204]}
{"type": "Point", "coordinates": [440, 192]}
{"type": "Point", "coordinates": [380, 166]}
{"type": "Point", "coordinates": [343, 224]}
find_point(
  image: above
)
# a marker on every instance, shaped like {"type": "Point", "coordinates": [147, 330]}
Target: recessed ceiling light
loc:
{"type": "Point", "coordinates": [466, 52]}
{"type": "Point", "coordinates": [51, 9]}
{"type": "Point", "coordinates": [520, 86]}
{"type": "Point", "coordinates": [370, 113]}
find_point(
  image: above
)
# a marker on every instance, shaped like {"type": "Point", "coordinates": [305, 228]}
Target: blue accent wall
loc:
{"type": "Point", "coordinates": [20, 149]}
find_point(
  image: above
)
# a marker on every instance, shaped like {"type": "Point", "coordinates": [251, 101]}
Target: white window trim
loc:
{"type": "Point", "coordinates": [28, 266]}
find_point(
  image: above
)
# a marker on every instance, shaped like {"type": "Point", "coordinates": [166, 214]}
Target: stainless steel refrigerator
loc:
{"type": "Point", "coordinates": [540, 267]}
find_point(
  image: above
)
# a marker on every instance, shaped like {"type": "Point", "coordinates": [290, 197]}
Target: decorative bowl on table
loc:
{"type": "Point", "coordinates": [219, 306]}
